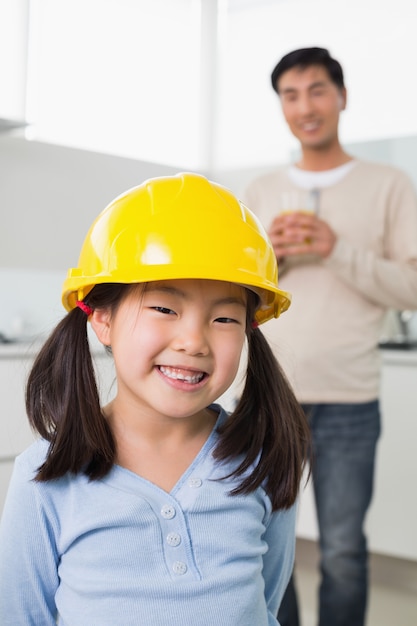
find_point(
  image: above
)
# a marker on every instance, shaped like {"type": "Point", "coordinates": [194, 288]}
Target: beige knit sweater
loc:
{"type": "Point", "coordinates": [327, 341]}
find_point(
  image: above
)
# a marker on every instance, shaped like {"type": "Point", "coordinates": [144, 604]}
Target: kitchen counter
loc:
{"type": "Point", "coordinates": [402, 357]}
{"type": "Point", "coordinates": [22, 350]}
{"type": "Point", "coordinates": [29, 349]}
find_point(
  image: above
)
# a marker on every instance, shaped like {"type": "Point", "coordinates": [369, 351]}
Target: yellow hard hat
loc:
{"type": "Point", "coordinates": [174, 227]}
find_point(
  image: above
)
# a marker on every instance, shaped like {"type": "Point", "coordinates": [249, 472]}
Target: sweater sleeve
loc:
{"type": "Point", "coordinates": [28, 559]}
{"type": "Point", "coordinates": [388, 279]}
{"type": "Point", "coordinates": [279, 558]}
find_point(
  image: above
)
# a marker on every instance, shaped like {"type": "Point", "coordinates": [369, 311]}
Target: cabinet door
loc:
{"type": "Point", "coordinates": [15, 434]}
{"type": "Point", "coordinates": [392, 518]}
{"type": "Point", "coordinates": [6, 468]}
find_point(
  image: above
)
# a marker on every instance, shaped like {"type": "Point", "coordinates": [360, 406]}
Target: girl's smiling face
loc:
{"type": "Point", "coordinates": [176, 344]}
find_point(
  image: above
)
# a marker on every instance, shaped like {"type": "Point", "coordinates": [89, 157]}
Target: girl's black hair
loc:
{"type": "Point", "coordinates": [268, 427]}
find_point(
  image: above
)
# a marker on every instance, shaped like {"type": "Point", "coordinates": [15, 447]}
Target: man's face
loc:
{"type": "Point", "coordinates": [311, 104]}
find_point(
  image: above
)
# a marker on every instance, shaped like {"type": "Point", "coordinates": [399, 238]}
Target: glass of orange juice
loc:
{"type": "Point", "coordinates": [304, 200]}
{"type": "Point", "coordinates": [301, 200]}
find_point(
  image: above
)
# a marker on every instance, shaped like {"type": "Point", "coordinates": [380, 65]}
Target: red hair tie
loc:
{"type": "Point", "coordinates": [254, 324]}
{"type": "Point", "coordinates": [84, 307]}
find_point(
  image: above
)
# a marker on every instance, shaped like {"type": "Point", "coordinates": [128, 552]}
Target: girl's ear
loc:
{"type": "Point", "coordinates": [100, 323]}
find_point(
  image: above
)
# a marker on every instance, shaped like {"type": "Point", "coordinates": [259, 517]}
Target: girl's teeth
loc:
{"type": "Point", "coordinates": [177, 375]}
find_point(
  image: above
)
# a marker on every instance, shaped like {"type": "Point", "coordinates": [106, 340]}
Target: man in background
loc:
{"type": "Point", "coordinates": [347, 255]}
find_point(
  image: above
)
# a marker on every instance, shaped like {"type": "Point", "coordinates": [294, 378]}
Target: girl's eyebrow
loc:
{"type": "Point", "coordinates": [231, 300]}
{"type": "Point", "coordinates": [175, 291]}
{"type": "Point", "coordinates": [152, 288]}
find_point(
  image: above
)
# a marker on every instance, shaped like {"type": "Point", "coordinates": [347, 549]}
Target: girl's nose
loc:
{"type": "Point", "coordinates": [192, 339]}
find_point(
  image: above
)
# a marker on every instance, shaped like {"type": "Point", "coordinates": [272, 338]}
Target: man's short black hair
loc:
{"type": "Point", "coordinates": [306, 57]}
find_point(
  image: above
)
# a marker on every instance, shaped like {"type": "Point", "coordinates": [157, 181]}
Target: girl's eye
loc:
{"type": "Point", "coordinates": [226, 320]}
{"type": "Point", "coordinates": [164, 310]}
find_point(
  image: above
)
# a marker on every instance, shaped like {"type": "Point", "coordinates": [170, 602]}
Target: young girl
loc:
{"type": "Point", "coordinates": [159, 508]}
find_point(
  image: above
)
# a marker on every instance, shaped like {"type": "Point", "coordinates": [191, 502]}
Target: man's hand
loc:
{"type": "Point", "coordinates": [299, 233]}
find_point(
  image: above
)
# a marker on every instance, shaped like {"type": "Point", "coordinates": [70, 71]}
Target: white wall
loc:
{"type": "Point", "coordinates": [397, 151]}
{"type": "Point", "coordinates": [374, 40]}
{"type": "Point", "coordinates": [49, 196]}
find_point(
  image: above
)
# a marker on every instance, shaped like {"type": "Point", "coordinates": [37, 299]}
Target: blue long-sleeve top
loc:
{"type": "Point", "coordinates": [120, 551]}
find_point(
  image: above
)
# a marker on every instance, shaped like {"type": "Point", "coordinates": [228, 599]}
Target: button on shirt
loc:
{"type": "Point", "coordinates": [168, 511]}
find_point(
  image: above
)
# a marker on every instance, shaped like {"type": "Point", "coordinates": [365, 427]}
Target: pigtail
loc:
{"type": "Point", "coordinates": [268, 427]}
{"type": "Point", "coordinates": [63, 406]}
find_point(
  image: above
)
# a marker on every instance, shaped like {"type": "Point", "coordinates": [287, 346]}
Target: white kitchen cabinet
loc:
{"type": "Point", "coordinates": [15, 434]}
{"type": "Point", "coordinates": [6, 468]}
{"type": "Point", "coordinates": [392, 519]}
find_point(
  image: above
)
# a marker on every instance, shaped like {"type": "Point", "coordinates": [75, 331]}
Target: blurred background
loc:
{"type": "Point", "coordinates": [98, 95]}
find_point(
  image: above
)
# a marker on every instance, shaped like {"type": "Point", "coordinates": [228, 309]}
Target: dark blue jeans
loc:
{"type": "Point", "coordinates": [344, 443]}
